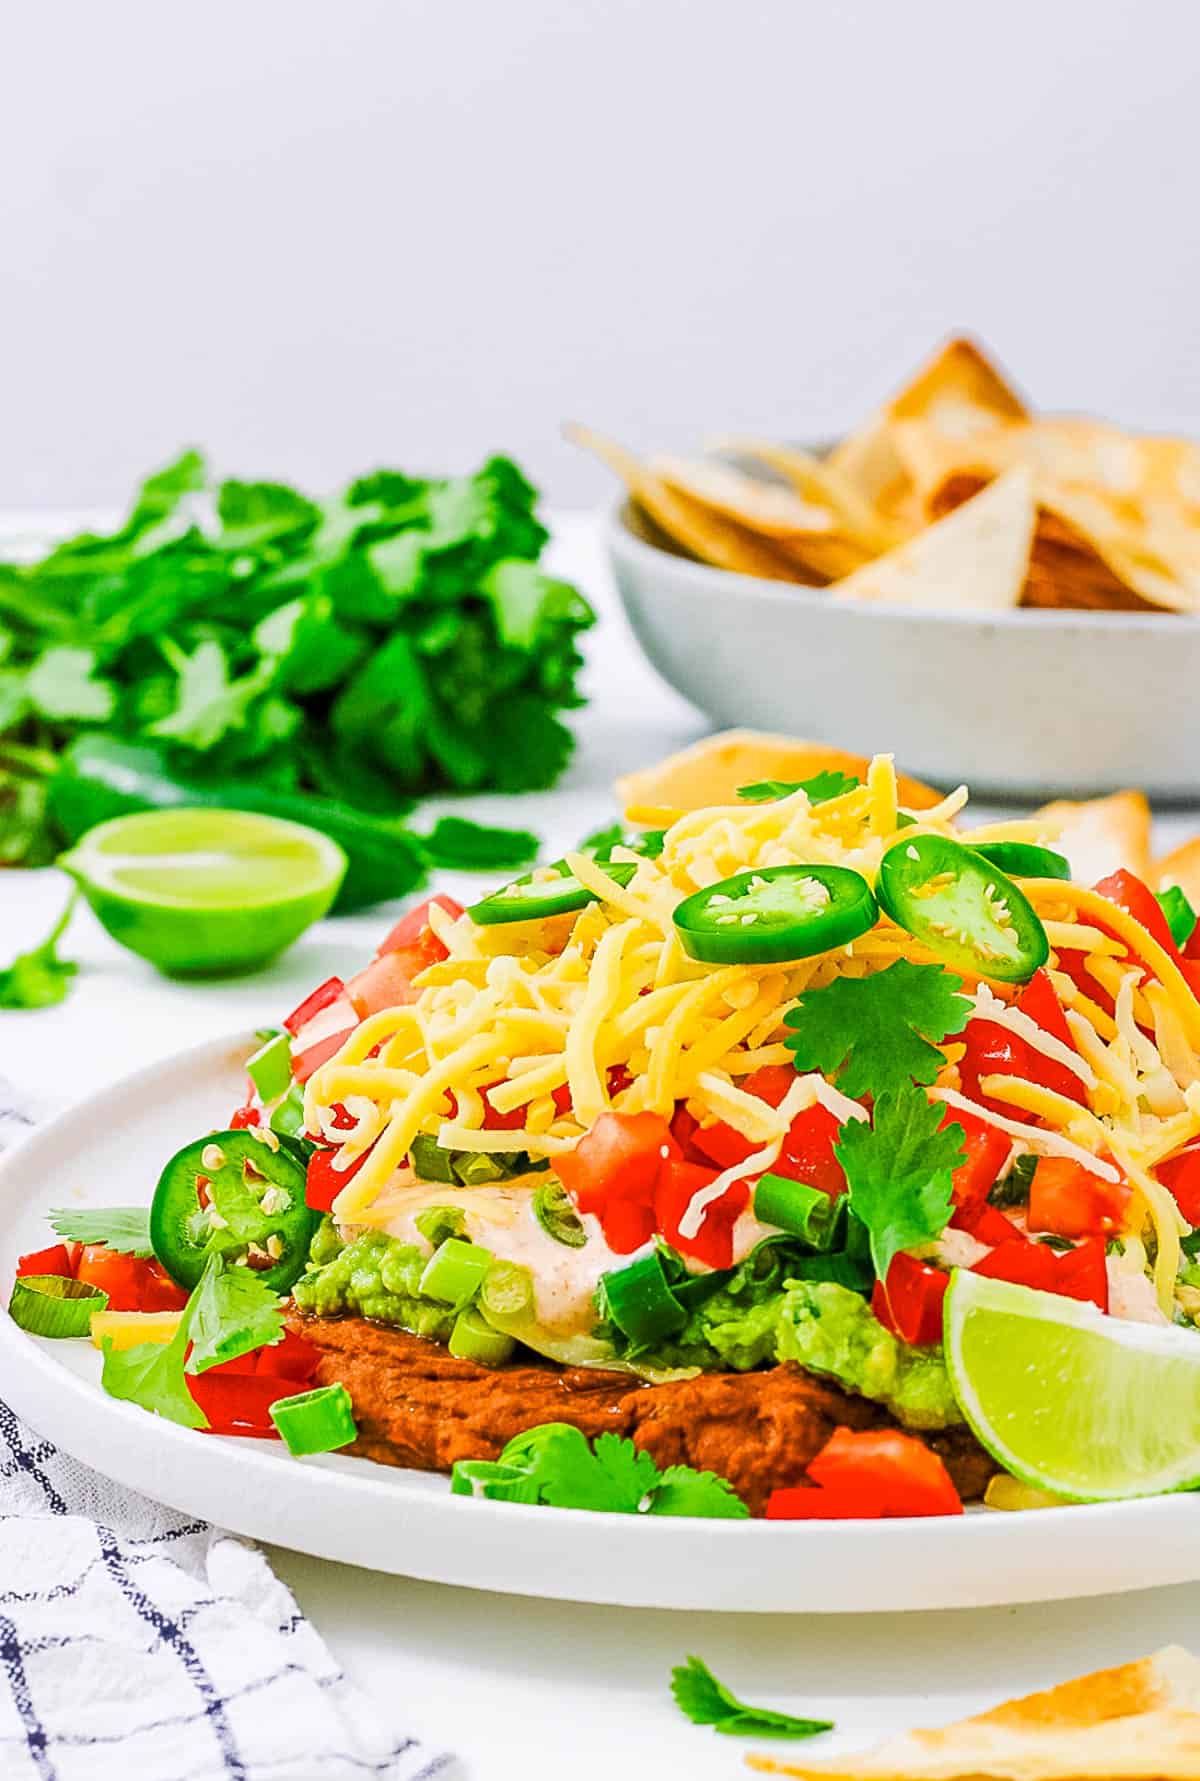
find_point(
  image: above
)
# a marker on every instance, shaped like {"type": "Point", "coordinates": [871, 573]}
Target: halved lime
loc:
{"type": "Point", "coordinates": [206, 891]}
{"type": "Point", "coordinates": [1071, 1401]}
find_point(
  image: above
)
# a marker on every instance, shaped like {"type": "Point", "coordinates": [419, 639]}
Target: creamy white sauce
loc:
{"type": "Point", "coordinates": [500, 1217]}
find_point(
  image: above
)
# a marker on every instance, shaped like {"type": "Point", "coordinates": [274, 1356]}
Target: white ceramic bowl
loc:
{"type": "Point", "coordinates": [1033, 703]}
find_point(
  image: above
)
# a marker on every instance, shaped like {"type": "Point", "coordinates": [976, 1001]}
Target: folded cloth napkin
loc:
{"type": "Point", "coordinates": [135, 1642]}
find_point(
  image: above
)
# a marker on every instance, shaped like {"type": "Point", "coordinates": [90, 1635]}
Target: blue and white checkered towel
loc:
{"type": "Point", "coordinates": [137, 1643]}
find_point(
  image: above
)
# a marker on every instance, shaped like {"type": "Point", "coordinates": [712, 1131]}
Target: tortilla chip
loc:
{"type": "Point", "coordinates": [814, 480]}
{"type": "Point", "coordinates": [701, 531]}
{"type": "Point", "coordinates": [960, 391]}
{"type": "Point", "coordinates": [1181, 867]}
{"type": "Point", "coordinates": [1138, 1722]}
{"type": "Point", "coordinates": [1119, 500]}
{"type": "Point", "coordinates": [711, 771]}
{"type": "Point", "coordinates": [975, 559]}
{"type": "Point", "coordinates": [1100, 835]}
{"type": "Point", "coordinates": [762, 506]}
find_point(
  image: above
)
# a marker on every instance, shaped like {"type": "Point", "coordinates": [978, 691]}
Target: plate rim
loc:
{"type": "Point", "coordinates": [582, 1556]}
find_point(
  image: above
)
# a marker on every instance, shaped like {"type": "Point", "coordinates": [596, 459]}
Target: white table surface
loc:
{"type": "Point", "coordinates": [518, 1686]}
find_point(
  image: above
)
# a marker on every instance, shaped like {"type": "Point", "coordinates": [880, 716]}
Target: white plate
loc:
{"type": "Point", "coordinates": [109, 1151]}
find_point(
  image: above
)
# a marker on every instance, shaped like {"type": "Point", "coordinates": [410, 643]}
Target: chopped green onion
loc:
{"type": "Point", "coordinates": [455, 1271]}
{"type": "Point", "coordinates": [489, 1478]}
{"type": "Point", "coordinates": [557, 1216]}
{"type": "Point", "coordinates": [55, 1305]}
{"type": "Point", "coordinates": [436, 1223]}
{"type": "Point", "coordinates": [640, 1301]}
{"type": "Point", "coordinates": [796, 1207]}
{"type": "Point", "coordinates": [1181, 917]}
{"type": "Point", "coordinates": [507, 1291]}
{"type": "Point", "coordinates": [287, 1120]}
{"type": "Point", "coordinates": [474, 1339]}
{"type": "Point", "coordinates": [430, 1161]}
{"type": "Point", "coordinates": [270, 1069]}
{"type": "Point", "coordinates": [317, 1421]}
{"type": "Point", "coordinates": [475, 1168]}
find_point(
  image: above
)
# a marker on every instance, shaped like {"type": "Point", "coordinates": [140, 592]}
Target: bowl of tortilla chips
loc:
{"type": "Point", "coordinates": [957, 578]}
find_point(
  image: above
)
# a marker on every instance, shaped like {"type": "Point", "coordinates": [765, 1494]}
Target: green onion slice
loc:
{"type": "Point", "coordinates": [270, 1069]}
{"type": "Point", "coordinates": [317, 1421]}
{"type": "Point", "coordinates": [455, 1271]}
{"type": "Point", "coordinates": [474, 1339]}
{"type": "Point", "coordinates": [798, 1208]}
{"type": "Point", "coordinates": [640, 1302]}
{"type": "Point", "coordinates": [54, 1305]}
{"type": "Point", "coordinates": [557, 1216]}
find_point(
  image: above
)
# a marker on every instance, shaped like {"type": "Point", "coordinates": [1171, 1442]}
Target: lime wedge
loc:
{"type": "Point", "coordinates": [205, 891]}
{"type": "Point", "coordinates": [1070, 1401]}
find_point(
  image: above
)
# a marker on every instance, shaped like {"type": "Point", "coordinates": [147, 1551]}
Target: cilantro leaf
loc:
{"type": "Point", "coordinates": [123, 1229]}
{"type": "Point", "coordinates": [62, 684]}
{"type": "Point", "coordinates": [555, 1465]}
{"type": "Point", "coordinates": [681, 1490]}
{"type": "Point", "coordinates": [705, 1701]}
{"type": "Point", "coordinates": [39, 978]}
{"type": "Point", "coordinates": [151, 1374]}
{"type": "Point", "coordinates": [231, 1313]}
{"type": "Point", "coordinates": [454, 842]}
{"type": "Point", "coordinates": [820, 788]}
{"type": "Point", "coordinates": [208, 703]}
{"type": "Point", "coordinates": [900, 1171]}
{"type": "Point", "coordinates": [875, 1032]}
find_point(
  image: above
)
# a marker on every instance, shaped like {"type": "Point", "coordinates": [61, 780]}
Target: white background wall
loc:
{"type": "Point", "coordinates": [314, 237]}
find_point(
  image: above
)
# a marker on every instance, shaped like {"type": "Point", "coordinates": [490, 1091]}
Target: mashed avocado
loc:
{"type": "Point", "coordinates": [757, 1316]}
{"type": "Point", "coordinates": [372, 1276]}
{"type": "Point", "coordinates": [830, 1330]}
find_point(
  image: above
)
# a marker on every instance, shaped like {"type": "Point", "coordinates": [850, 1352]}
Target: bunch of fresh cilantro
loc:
{"type": "Point", "coordinates": [394, 639]}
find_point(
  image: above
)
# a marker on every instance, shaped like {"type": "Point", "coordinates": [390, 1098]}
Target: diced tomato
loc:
{"type": "Point", "coordinates": [325, 994]}
{"type": "Point", "coordinates": [562, 1099]}
{"type": "Point", "coordinates": [805, 1503]}
{"type": "Point", "coordinates": [1182, 1175]}
{"type": "Point", "coordinates": [627, 1225]}
{"type": "Point", "coordinates": [323, 1183]}
{"type": "Point", "coordinates": [55, 1260]}
{"type": "Point", "coordinates": [721, 1144]}
{"type": "Point", "coordinates": [987, 1149]}
{"type": "Point", "coordinates": [771, 1083]}
{"type": "Point", "coordinates": [899, 1472]}
{"type": "Point", "coordinates": [238, 1403]}
{"type": "Point", "coordinates": [293, 1358]}
{"type": "Point", "coordinates": [910, 1305]}
{"type": "Point", "coordinates": [987, 1224]}
{"type": "Point", "coordinates": [307, 1063]}
{"type": "Point", "coordinates": [1127, 891]}
{"type": "Point", "coordinates": [992, 1050]}
{"type": "Point", "coordinates": [387, 982]}
{"type": "Point", "coordinates": [806, 1153]}
{"type": "Point", "coordinates": [244, 1118]}
{"type": "Point", "coordinates": [1070, 1201]}
{"type": "Point", "coordinates": [1077, 1273]}
{"type": "Point", "coordinates": [414, 927]}
{"type": "Point", "coordinates": [132, 1282]}
{"type": "Point", "coordinates": [684, 1126]}
{"type": "Point", "coordinates": [619, 1159]}
{"type": "Point", "coordinates": [678, 1183]}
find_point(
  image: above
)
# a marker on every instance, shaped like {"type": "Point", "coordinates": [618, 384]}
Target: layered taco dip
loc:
{"type": "Point", "coordinates": [816, 1155]}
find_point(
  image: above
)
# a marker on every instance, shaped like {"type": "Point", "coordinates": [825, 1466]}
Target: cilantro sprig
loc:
{"type": "Point", "coordinates": [899, 1169]}
{"type": "Point", "coordinates": [555, 1465]}
{"type": "Point", "coordinates": [821, 788]}
{"type": "Point", "coordinates": [123, 1229]}
{"type": "Point", "coordinates": [705, 1701]}
{"type": "Point", "coordinates": [877, 1034]}
{"type": "Point", "coordinates": [39, 978]}
{"type": "Point", "coordinates": [229, 1313]}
